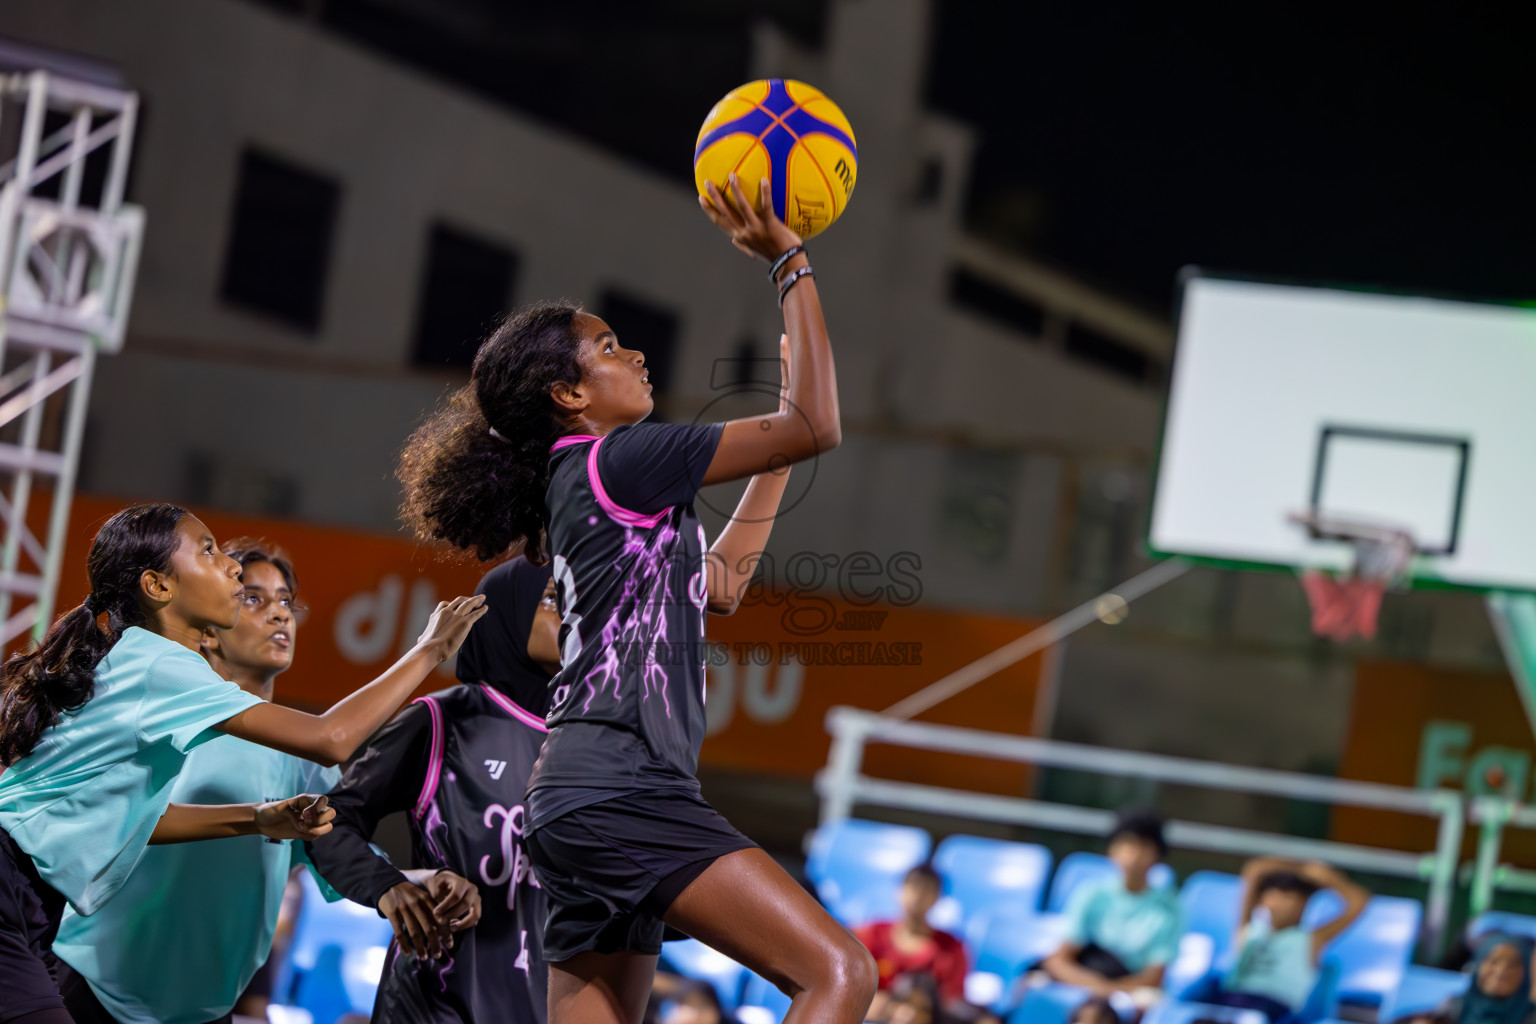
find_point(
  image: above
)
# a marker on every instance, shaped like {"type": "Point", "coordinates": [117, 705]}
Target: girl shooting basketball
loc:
{"type": "Point", "coordinates": [95, 724]}
{"type": "Point", "coordinates": [544, 452]}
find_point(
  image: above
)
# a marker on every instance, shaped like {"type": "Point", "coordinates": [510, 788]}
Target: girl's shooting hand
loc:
{"type": "Point", "coordinates": [754, 229]}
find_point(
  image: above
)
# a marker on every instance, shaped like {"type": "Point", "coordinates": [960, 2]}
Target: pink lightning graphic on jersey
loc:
{"type": "Point", "coordinates": [640, 610]}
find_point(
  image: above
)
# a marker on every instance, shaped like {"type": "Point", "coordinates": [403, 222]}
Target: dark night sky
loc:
{"type": "Point", "coordinates": [1123, 141]}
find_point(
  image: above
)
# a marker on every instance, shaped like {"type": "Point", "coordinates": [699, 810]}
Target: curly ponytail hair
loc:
{"type": "Point", "coordinates": [60, 674]}
{"type": "Point", "coordinates": [480, 491]}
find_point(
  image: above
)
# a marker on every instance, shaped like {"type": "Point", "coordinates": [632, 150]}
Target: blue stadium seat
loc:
{"type": "Point", "coordinates": [1373, 952]}
{"type": "Point", "coordinates": [1084, 868]}
{"type": "Point", "coordinates": [1007, 941]}
{"type": "Point", "coordinates": [692, 959]}
{"type": "Point", "coordinates": [1048, 1004]}
{"type": "Point", "coordinates": [985, 875]}
{"type": "Point", "coordinates": [361, 969]}
{"type": "Point", "coordinates": [337, 944]}
{"type": "Point", "coordinates": [1175, 1011]}
{"type": "Point", "coordinates": [857, 866]}
{"type": "Point", "coordinates": [762, 1001]}
{"type": "Point", "coordinates": [1422, 988]}
{"type": "Point", "coordinates": [320, 990]}
{"type": "Point", "coordinates": [1211, 901]}
{"type": "Point", "coordinates": [1502, 921]}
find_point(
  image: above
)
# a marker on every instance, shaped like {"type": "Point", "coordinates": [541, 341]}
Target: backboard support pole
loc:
{"type": "Point", "coordinates": [1514, 623]}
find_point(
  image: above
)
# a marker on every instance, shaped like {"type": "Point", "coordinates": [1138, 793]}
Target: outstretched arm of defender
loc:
{"type": "Point", "coordinates": [334, 736]}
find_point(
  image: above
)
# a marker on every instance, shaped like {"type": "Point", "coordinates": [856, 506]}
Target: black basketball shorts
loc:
{"type": "Point", "coordinates": [611, 869]}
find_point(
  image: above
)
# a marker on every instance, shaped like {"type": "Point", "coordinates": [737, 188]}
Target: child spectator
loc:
{"type": "Point", "coordinates": [1095, 1010]}
{"type": "Point", "coordinates": [1122, 933]}
{"type": "Point", "coordinates": [1276, 967]}
{"type": "Point", "coordinates": [697, 1002]}
{"type": "Point", "coordinates": [912, 944]}
{"type": "Point", "coordinates": [911, 949]}
{"type": "Point", "coordinates": [1500, 992]}
{"type": "Point", "coordinates": [913, 999]}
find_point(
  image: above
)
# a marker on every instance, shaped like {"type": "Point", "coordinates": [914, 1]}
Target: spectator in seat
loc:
{"type": "Point", "coordinates": [697, 1002]}
{"type": "Point", "coordinates": [1277, 959]}
{"type": "Point", "coordinates": [911, 947]}
{"type": "Point", "coordinates": [914, 999]}
{"type": "Point", "coordinates": [1121, 933]}
{"type": "Point", "coordinates": [1501, 988]}
{"type": "Point", "coordinates": [1095, 1010]}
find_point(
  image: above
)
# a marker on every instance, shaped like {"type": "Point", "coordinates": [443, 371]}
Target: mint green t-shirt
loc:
{"type": "Point", "coordinates": [1142, 928]}
{"type": "Point", "coordinates": [193, 922]}
{"type": "Point", "coordinates": [1274, 963]}
{"type": "Point", "coordinates": [84, 803]}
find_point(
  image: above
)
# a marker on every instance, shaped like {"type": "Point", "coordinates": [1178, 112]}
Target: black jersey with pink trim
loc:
{"type": "Point", "coordinates": [628, 552]}
{"type": "Point", "coordinates": [458, 762]}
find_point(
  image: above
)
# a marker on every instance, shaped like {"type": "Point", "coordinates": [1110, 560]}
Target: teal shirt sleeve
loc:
{"type": "Point", "coordinates": [1080, 915]}
{"type": "Point", "coordinates": [183, 699]}
{"type": "Point", "coordinates": [1164, 948]}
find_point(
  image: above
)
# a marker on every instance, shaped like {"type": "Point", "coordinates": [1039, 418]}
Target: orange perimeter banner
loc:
{"type": "Point", "coordinates": [785, 666]}
{"type": "Point", "coordinates": [778, 664]}
{"type": "Point", "coordinates": [1429, 727]}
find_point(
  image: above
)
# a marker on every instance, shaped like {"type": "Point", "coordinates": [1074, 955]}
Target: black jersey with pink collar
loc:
{"type": "Point", "coordinates": [457, 760]}
{"type": "Point", "coordinates": [628, 551]}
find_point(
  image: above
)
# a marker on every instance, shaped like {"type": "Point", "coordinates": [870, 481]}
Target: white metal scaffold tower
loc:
{"type": "Point", "coordinates": [67, 263]}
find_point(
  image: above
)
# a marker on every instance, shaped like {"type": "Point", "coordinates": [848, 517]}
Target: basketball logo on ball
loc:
{"type": "Point", "coordinates": [789, 133]}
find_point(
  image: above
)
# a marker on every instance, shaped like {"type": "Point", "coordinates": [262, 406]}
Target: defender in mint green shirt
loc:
{"type": "Point", "coordinates": [194, 921]}
{"type": "Point", "coordinates": [84, 803]}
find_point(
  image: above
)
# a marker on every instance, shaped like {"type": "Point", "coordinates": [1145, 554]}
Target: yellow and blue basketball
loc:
{"type": "Point", "coordinates": [789, 133]}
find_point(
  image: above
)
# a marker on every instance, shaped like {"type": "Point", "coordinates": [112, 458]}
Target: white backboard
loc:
{"type": "Point", "coordinates": [1415, 412]}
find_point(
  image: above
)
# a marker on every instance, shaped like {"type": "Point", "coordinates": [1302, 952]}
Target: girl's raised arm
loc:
{"type": "Point", "coordinates": [810, 424]}
{"type": "Point", "coordinates": [335, 735]}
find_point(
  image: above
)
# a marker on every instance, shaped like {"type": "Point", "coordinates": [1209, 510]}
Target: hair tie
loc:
{"type": "Point", "coordinates": [93, 604]}
{"type": "Point", "coordinates": [498, 437]}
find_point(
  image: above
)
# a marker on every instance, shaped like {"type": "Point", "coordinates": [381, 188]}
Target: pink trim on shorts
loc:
{"type": "Point", "coordinates": [618, 513]}
{"type": "Point", "coordinates": [434, 758]}
{"type": "Point", "coordinates": [529, 719]}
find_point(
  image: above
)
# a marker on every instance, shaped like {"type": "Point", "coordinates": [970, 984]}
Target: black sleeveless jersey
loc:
{"type": "Point", "coordinates": [469, 818]}
{"type": "Point", "coordinates": [628, 551]}
{"type": "Point", "coordinates": [458, 762]}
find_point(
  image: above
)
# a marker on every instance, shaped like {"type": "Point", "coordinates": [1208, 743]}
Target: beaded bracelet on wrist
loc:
{"type": "Point", "coordinates": [784, 257]}
{"type": "Point", "coordinates": [789, 282]}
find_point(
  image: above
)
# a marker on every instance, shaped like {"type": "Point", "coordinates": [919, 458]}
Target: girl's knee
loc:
{"type": "Point", "coordinates": [854, 968]}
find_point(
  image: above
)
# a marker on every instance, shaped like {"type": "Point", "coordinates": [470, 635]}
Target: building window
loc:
{"type": "Point", "coordinates": [1106, 502]}
{"type": "Point", "coordinates": [220, 480]}
{"type": "Point", "coordinates": [466, 290]}
{"type": "Point", "coordinates": [646, 327]}
{"type": "Point", "coordinates": [1089, 346]}
{"type": "Point", "coordinates": [930, 183]}
{"type": "Point", "coordinates": [976, 514]}
{"type": "Point", "coordinates": [280, 240]}
{"type": "Point", "coordinates": [977, 294]}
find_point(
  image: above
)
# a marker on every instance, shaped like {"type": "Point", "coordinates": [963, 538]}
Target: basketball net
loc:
{"type": "Point", "coordinates": [1346, 605]}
